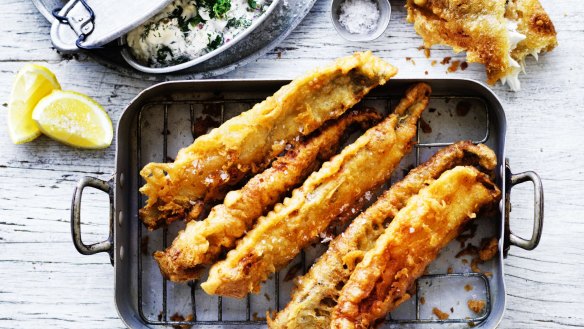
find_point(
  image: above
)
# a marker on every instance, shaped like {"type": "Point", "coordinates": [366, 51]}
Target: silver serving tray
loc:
{"type": "Point", "coordinates": [158, 122]}
{"type": "Point", "coordinates": [276, 27]}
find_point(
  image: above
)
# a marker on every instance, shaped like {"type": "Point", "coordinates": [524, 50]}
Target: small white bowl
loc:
{"type": "Point", "coordinates": [384, 14]}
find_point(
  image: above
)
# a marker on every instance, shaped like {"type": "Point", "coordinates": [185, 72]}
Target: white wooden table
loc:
{"type": "Point", "coordinates": [44, 282]}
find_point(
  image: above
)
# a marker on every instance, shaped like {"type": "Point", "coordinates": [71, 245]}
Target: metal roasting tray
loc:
{"type": "Point", "coordinates": [159, 121]}
{"type": "Point", "coordinates": [277, 26]}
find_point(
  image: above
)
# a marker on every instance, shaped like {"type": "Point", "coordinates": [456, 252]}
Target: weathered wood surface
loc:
{"type": "Point", "coordinates": [44, 282]}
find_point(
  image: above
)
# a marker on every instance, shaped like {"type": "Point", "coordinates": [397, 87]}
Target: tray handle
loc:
{"type": "Point", "coordinates": [103, 246]}
{"type": "Point", "coordinates": [513, 180]}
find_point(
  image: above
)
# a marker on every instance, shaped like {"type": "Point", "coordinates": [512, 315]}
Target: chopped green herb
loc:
{"type": "Point", "coordinates": [146, 30]}
{"type": "Point", "coordinates": [252, 4]}
{"type": "Point", "coordinates": [163, 53]}
{"type": "Point", "coordinates": [206, 4]}
{"type": "Point", "coordinates": [238, 23]}
{"type": "Point", "coordinates": [221, 7]}
{"type": "Point", "coordinates": [179, 60]}
{"type": "Point", "coordinates": [215, 43]}
{"type": "Point", "coordinates": [191, 23]}
{"type": "Point", "coordinates": [176, 13]}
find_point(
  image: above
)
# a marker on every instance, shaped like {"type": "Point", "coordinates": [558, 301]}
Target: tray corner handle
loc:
{"type": "Point", "coordinates": [516, 179]}
{"type": "Point", "coordinates": [103, 246]}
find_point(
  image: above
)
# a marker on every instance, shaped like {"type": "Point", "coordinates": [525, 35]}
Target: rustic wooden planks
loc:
{"type": "Point", "coordinates": [44, 281]}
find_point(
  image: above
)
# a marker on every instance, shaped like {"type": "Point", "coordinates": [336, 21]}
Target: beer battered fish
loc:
{"type": "Point", "coordinates": [428, 222]}
{"type": "Point", "coordinates": [535, 24]}
{"type": "Point", "coordinates": [317, 292]}
{"type": "Point", "coordinates": [279, 236]}
{"type": "Point", "coordinates": [247, 143]}
{"type": "Point", "coordinates": [497, 33]}
{"type": "Point", "coordinates": [202, 241]}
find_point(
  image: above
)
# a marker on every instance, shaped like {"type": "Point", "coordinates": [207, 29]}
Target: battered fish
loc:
{"type": "Point", "coordinates": [247, 143]}
{"type": "Point", "coordinates": [496, 33]}
{"type": "Point", "coordinates": [279, 236]}
{"type": "Point", "coordinates": [428, 222]}
{"type": "Point", "coordinates": [317, 292]}
{"type": "Point", "coordinates": [535, 24]}
{"type": "Point", "coordinates": [202, 241]}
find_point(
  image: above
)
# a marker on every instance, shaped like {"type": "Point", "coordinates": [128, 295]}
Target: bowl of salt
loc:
{"type": "Point", "coordinates": [360, 20]}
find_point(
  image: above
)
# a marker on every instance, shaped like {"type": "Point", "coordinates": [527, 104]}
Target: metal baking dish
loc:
{"type": "Point", "coordinates": [129, 58]}
{"type": "Point", "coordinates": [283, 20]}
{"type": "Point", "coordinates": [160, 120]}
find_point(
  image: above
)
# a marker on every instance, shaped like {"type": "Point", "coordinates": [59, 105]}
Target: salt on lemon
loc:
{"type": "Point", "coordinates": [32, 83]}
{"type": "Point", "coordinates": [74, 119]}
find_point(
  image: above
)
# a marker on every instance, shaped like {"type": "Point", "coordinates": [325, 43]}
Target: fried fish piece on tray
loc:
{"type": "Point", "coordinates": [280, 235]}
{"type": "Point", "coordinates": [247, 143]}
{"type": "Point", "coordinates": [428, 222]}
{"type": "Point", "coordinates": [496, 33]}
{"type": "Point", "coordinates": [202, 241]}
{"type": "Point", "coordinates": [317, 292]}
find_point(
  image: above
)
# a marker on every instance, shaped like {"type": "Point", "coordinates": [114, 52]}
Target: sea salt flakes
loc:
{"type": "Point", "coordinates": [368, 195]}
{"type": "Point", "coordinates": [359, 16]}
{"type": "Point", "coordinates": [224, 176]}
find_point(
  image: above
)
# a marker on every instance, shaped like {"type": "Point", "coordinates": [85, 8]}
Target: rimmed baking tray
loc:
{"type": "Point", "coordinates": [283, 20]}
{"type": "Point", "coordinates": [164, 118]}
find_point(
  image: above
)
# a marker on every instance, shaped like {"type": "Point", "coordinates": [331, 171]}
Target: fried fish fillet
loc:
{"type": "Point", "coordinates": [496, 33]}
{"type": "Point", "coordinates": [428, 222]}
{"type": "Point", "coordinates": [279, 236]}
{"type": "Point", "coordinates": [535, 24]}
{"type": "Point", "coordinates": [317, 292]}
{"type": "Point", "coordinates": [249, 142]}
{"type": "Point", "coordinates": [202, 241]}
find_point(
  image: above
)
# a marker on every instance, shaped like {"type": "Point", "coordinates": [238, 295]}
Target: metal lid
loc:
{"type": "Point", "coordinates": [86, 24]}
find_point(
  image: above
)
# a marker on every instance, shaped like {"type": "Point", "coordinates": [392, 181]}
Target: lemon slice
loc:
{"type": "Point", "coordinates": [32, 83]}
{"type": "Point", "coordinates": [74, 119]}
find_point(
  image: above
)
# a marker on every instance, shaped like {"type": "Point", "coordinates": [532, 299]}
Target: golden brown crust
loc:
{"type": "Point", "coordinates": [317, 291]}
{"type": "Point", "coordinates": [489, 249]}
{"type": "Point", "coordinates": [535, 24]}
{"type": "Point", "coordinates": [475, 26]}
{"type": "Point", "coordinates": [202, 241]}
{"type": "Point", "coordinates": [476, 305]}
{"type": "Point", "coordinates": [479, 27]}
{"type": "Point", "coordinates": [249, 142]}
{"type": "Point", "coordinates": [412, 240]}
{"type": "Point", "coordinates": [440, 314]}
{"type": "Point", "coordinates": [279, 236]}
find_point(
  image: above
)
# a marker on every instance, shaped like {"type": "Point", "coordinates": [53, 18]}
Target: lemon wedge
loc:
{"type": "Point", "coordinates": [74, 119]}
{"type": "Point", "coordinates": [32, 83]}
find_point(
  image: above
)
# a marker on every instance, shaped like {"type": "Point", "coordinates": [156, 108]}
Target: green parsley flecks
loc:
{"type": "Point", "coordinates": [187, 29]}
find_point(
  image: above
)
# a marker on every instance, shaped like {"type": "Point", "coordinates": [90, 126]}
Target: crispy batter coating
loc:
{"type": "Point", "coordinates": [489, 249]}
{"type": "Point", "coordinates": [279, 237]}
{"type": "Point", "coordinates": [476, 305]}
{"type": "Point", "coordinates": [475, 26]}
{"type": "Point", "coordinates": [412, 240]}
{"type": "Point", "coordinates": [441, 315]}
{"type": "Point", "coordinates": [480, 27]}
{"type": "Point", "coordinates": [317, 292]}
{"type": "Point", "coordinates": [249, 142]}
{"type": "Point", "coordinates": [202, 241]}
{"type": "Point", "coordinates": [535, 24]}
